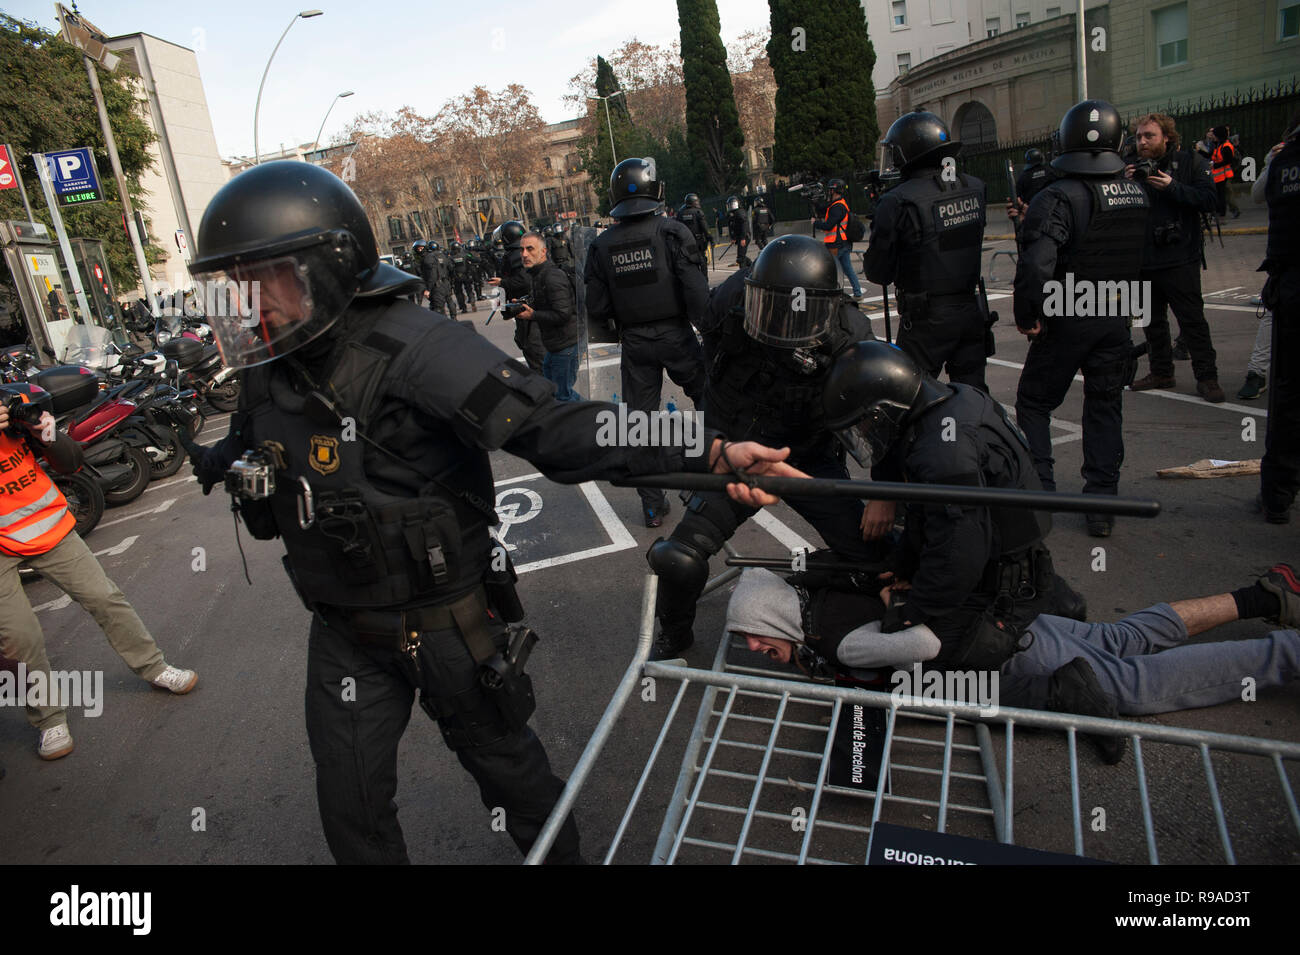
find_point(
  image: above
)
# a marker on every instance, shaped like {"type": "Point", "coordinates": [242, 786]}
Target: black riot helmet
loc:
{"type": "Point", "coordinates": [508, 234]}
{"type": "Point", "coordinates": [433, 245]}
{"type": "Point", "coordinates": [634, 189]}
{"type": "Point", "coordinates": [733, 204]}
{"type": "Point", "coordinates": [871, 392]}
{"type": "Point", "coordinates": [919, 138]}
{"type": "Point", "coordinates": [1033, 157]}
{"type": "Point", "coordinates": [455, 246]}
{"type": "Point", "coordinates": [792, 293]}
{"type": "Point", "coordinates": [837, 187]}
{"type": "Point", "coordinates": [1090, 137]}
{"type": "Point", "coordinates": [286, 246]}
{"type": "Point", "coordinates": [418, 246]}
{"type": "Point", "coordinates": [692, 200]}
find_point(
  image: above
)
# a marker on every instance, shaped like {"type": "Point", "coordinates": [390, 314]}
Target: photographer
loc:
{"type": "Point", "coordinates": [835, 223]}
{"type": "Point", "coordinates": [1179, 187]}
{"type": "Point", "coordinates": [37, 529]}
{"type": "Point", "coordinates": [1217, 146]}
{"type": "Point", "coordinates": [551, 306]}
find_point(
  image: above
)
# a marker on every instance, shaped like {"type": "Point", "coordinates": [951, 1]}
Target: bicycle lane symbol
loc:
{"type": "Point", "coordinates": [509, 511]}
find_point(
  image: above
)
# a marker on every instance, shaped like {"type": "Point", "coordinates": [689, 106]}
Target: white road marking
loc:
{"type": "Point", "coordinates": [159, 486]}
{"type": "Point", "coordinates": [1162, 393]}
{"type": "Point", "coordinates": [790, 539]}
{"type": "Point", "coordinates": [1223, 291]}
{"type": "Point", "coordinates": [117, 548]}
{"type": "Point", "coordinates": [620, 539]}
{"type": "Point", "coordinates": [130, 517]}
{"type": "Point", "coordinates": [58, 603]}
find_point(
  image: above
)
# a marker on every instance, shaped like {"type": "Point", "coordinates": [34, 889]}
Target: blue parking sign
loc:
{"type": "Point", "coordinates": [72, 171]}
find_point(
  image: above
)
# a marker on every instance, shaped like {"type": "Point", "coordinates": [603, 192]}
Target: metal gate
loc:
{"type": "Point", "coordinates": [753, 782]}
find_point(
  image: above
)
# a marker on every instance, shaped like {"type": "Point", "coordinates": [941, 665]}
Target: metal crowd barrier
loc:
{"type": "Point", "coordinates": [939, 772]}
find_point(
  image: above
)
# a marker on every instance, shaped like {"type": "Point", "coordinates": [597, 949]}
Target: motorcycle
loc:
{"type": "Point", "coordinates": [200, 363]}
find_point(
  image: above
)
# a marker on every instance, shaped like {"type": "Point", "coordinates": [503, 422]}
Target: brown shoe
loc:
{"type": "Point", "coordinates": [1209, 390]}
{"type": "Point", "coordinates": [1153, 381]}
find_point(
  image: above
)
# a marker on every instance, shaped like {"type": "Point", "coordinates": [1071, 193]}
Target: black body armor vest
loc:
{"type": "Point", "coordinates": [1111, 249]}
{"type": "Point", "coordinates": [1282, 191]}
{"type": "Point", "coordinates": [365, 546]}
{"type": "Point", "coordinates": [947, 260]}
{"type": "Point", "coordinates": [634, 256]}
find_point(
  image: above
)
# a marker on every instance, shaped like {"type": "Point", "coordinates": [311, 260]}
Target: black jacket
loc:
{"type": "Point", "coordinates": [553, 306]}
{"type": "Point", "coordinates": [1174, 224]}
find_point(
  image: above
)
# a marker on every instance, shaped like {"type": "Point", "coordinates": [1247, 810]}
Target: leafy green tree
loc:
{"type": "Point", "coordinates": [825, 101]}
{"type": "Point", "coordinates": [712, 122]}
{"type": "Point", "coordinates": [45, 105]}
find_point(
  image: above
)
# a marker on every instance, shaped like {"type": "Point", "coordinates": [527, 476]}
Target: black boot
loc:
{"type": "Point", "coordinates": [1074, 689]}
{"type": "Point", "coordinates": [670, 644]}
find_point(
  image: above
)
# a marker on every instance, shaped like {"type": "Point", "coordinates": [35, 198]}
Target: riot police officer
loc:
{"type": "Point", "coordinates": [644, 272]}
{"type": "Point", "coordinates": [1086, 228]}
{"type": "Point", "coordinates": [1037, 176]}
{"type": "Point", "coordinates": [386, 536]}
{"type": "Point", "coordinates": [738, 228]}
{"type": "Point", "coordinates": [767, 362]}
{"type": "Point", "coordinates": [963, 563]}
{"type": "Point", "coordinates": [425, 265]}
{"type": "Point", "coordinates": [692, 216]}
{"type": "Point", "coordinates": [514, 280]}
{"type": "Point", "coordinates": [762, 223]}
{"type": "Point", "coordinates": [446, 281]}
{"type": "Point", "coordinates": [926, 238]}
{"type": "Point", "coordinates": [1279, 478]}
{"type": "Point", "coordinates": [559, 249]}
{"type": "Point", "coordinates": [458, 257]}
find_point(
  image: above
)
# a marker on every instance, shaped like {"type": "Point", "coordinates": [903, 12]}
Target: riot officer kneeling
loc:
{"type": "Point", "coordinates": [767, 355]}
{"type": "Point", "coordinates": [363, 437]}
{"type": "Point", "coordinates": [927, 238]}
{"type": "Point", "coordinates": [977, 575]}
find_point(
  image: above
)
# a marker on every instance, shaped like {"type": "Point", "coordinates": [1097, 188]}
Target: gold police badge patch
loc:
{"type": "Point", "coordinates": [324, 453]}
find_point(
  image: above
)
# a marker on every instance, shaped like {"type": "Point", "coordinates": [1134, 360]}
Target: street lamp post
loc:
{"type": "Point", "coordinates": [608, 123]}
{"type": "Point", "coordinates": [316, 142]}
{"type": "Point", "coordinates": [304, 15]}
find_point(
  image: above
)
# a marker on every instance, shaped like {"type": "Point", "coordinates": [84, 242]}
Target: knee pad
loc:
{"type": "Point", "coordinates": [678, 563]}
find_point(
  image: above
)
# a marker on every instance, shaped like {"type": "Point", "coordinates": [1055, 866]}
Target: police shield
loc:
{"type": "Point", "coordinates": [598, 339]}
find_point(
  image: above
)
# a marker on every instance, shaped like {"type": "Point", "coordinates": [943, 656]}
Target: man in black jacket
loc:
{"type": "Point", "coordinates": [515, 282]}
{"type": "Point", "coordinates": [1180, 189]}
{"type": "Point", "coordinates": [552, 308]}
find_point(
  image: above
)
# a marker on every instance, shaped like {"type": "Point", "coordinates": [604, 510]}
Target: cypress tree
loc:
{"type": "Point", "coordinates": [712, 122]}
{"type": "Point", "coordinates": [825, 101]}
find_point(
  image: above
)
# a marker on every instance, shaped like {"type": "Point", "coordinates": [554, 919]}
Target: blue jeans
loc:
{"type": "Point", "coordinates": [845, 257]}
{"type": "Point", "coordinates": [561, 369]}
{"type": "Point", "coordinates": [1145, 663]}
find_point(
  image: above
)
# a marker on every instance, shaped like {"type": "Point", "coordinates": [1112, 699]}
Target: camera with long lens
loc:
{"type": "Point", "coordinates": [812, 189]}
{"type": "Point", "coordinates": [252, 477]}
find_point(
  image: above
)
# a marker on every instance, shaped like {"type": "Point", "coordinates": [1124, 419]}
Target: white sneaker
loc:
{"type": "Point", "coordinates": [56, 742]}
{"type": "Point", "coordinates": [178, 681]}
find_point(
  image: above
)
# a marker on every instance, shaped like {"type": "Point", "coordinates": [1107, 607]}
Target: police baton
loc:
{"type": "Point", "coordinates": [1015, 201]}
{"type": "Point", "coordinates": [889, 334]}
{"type": "Point", "coordinates": [895, 491]}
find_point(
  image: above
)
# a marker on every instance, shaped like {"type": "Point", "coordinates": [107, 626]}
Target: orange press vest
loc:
{"type": "Point", "coordinates": [1221, 173]}
{"type": "Point", "coordinates": [841, 232]}
{"type": "Point", "coordinates": [34, 515]}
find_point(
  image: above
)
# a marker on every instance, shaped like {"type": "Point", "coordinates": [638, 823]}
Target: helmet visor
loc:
{"type": "Point", "coordinates": [870, 438]}
{"type": "Point", "coordinates": [263, 310]}
{"type": "Point", "coordinates": [796, 318]}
